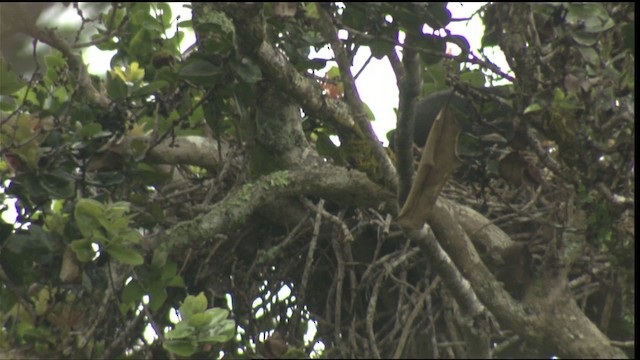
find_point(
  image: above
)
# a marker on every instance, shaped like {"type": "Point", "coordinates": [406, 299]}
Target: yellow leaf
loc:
{"type": "Point", "coordinates": [136, 130]}
{"type": "Point", "coordinates": [135, 73]}
{"type": "Point", "coordinates": [132, 73]}
{"type": "Point", "coordinates": [119, 73]}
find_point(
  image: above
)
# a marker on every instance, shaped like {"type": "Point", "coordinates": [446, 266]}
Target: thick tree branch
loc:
{"type": "Point", "coordinates": [190, 150]}
{"type": "Point", "coordinates": [422, 206]}
{"type": "Point", "coordinates": [549, 321]}
{"type": "Point", "coordinates": [332, 183]}
{"type": "Point", "coordinates": [475, 314]}
{"type": "Point", "coordinates": [278, 69]}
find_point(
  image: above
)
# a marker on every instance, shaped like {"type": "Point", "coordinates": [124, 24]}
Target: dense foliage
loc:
{"type": "Point", "coordinates": [190, 183]}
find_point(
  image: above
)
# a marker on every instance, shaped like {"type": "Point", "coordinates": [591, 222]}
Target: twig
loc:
{"type": "Point", "coordinates": [505, 344]}
{"type": "Point", "coordinates": [412, 316]}
{"type": "Point", "coordinates": [108, 351]}
{"type": "Point", "coordinates": [371, 312]}
{"type": "Point", "coordinates": [339, 284]}
{"type": "Point", "coordinates": [345, 230]}
{"type": "Point", "coordinates": [364, 66]}
{"type": "Point", "coordinates": [295, 319]}
{"type": "Point", "coordinates": [87, 335]}
{"type": "Point", "coordinates": [627, 344]}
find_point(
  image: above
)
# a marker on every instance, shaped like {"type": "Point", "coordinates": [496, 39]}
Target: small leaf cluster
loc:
{"type": "Point", "coordinates": [108, 226]}
{"type": "Point", "coordinates": [199, 326]}
{"type": "Point", "coordinates": [152, 281]}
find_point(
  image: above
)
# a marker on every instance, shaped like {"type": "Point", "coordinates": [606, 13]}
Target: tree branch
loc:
{"type": "Point", "coordinates": [475, 314]}
{"type": "Point", "coordinates": [190, 150]}
{"type": "Point", "coordinates": [549, 321]}
{"type": "Point", "coordinates": [353, 100]}
{"type": "Point", "coordinates": [76, 65]}
{"type": "Point", "coordinates": [409, 81]}
{"type": "Point", "coordinates": [278, 69]}
{"type": "Point", "coordinates": [336, 184]}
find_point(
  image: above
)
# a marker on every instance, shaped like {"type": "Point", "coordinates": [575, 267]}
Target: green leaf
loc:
{"type": "Point", "coordinates": [438, 16]}
{"type": "Point", "coordinates": [474, 78]}
{"type": "Point", "coordinates": [141, 44]}
{"type": "Point", "coordinates": [116, 87]}
{"type": "Point", "coordinates": [200, 72]}
{"type": "Point", "coordinates": [33, 244]}
{"type": "Point", "coordinates": [91, 130]}
{"type": "Point", "coordinates": [584, 38]}
{"type": "Point", "coordinates": [380, 48]}
{"type": "Point", "coordinates": [490, 38]}
{"type": "Point", "coordinates": [132, 293]}
{"type": "Point", "coordinates": [117, 15]}
{"type": "Point", "coordinates": [7, 104]}
{"type": "Point", "coordinates": [176, 281]}
{"type": "Point", "coordinates": [165, 16]}
{"type": "Point", "coordinates": [468, 145]}
{"type": "Point", "coordinates": [370, 114]}
{"type": "Point", "coordinates": [107, 178]}
{"type": "Point", "coordinates": [168, 271]}
{"type": "Point", "coordinates": [434, 79]}
{"type": "Point", "coordinates": [89, 207]}
{"type": "Point", "coordinates": [58, 183]}
{"type": "Point", "coordinates": [124, 254]}
{"type": "Point", "coordinates": [87, 214]}
{"type": "Point", "coordinates": [592, 17]}
{"type": "Point", "coordinates": [532, 108]}
{"type": "Point", "coordinates": [199, 320]}
{"type": "Point", "coordinates": [436, 47]}
{"type": "Point", "coordinates": [157, 294]}
{"type": "Point", "coordinates": [353, 17]}
{"type": "Point", "coordinates": [83, 249]}
{"type": "Point", "coordinates": [223, 332]}
{"type": "Point", "coordinates": [150, 89]}
{"type": "Point", "coordinates": [9, 82]}
{"type": "Point", "coordinates": [310, 10]}
{"type": "Point", "coordinates": [193, 305]}
{"type": "Point", "coordinates": [118, 208]}
{"type": "Point", "coordinates": [181, 331]}
{"type": "Point", "coordinates": [590, 55]}
{"type": "Point", "coordinates": [107, 45]}
{"type": "Point", "coordinates": [217, 314]}
{"type": "Point", "coordinates": [181, 347]}
{"type": "Point", "coordinates": [54, 60]}
{"type": "Point", "coordinates": [147, 21]}
{"type": "Point", "coordinates": [129, 236]}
